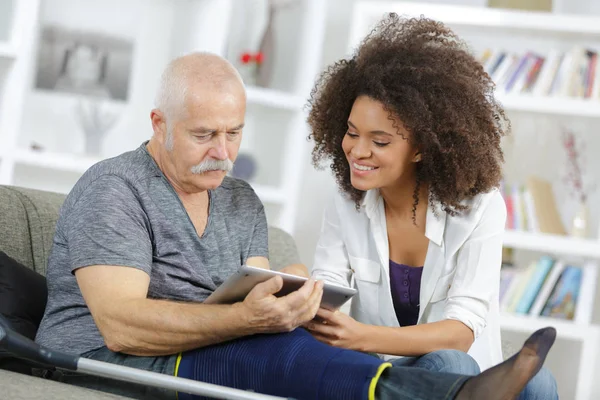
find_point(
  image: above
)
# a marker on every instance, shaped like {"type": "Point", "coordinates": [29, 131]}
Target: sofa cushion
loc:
{"type": "Point", "coordinates": [29, 216]}
{"type": "Point", "coordinates": [23, 296]}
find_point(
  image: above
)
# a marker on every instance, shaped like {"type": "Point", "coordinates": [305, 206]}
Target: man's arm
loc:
{"type": "Point", "coordinates": [132, 324]}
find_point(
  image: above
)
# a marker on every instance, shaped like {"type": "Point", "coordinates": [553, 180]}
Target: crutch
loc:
{"type": "Point", "coordinates": [24, 348]}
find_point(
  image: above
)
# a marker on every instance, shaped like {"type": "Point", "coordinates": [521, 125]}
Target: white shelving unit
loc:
{"type": "Point", "coordinates": [14, 73]}
{"type": "Point", "coordinates": [554, 244]}
{"type": "Point", "coordinates": [7, 51]}
{"type": "Point", "coordinates": [56, 161]}
{"type": "Point", "coordinates": [479, 17]}
{"type": "Point", "coordinates": [567, 107]}
{"type": "Point", "coordinates": [482, 21]}
{"type": "Point", "coordinates": [275, 133]}
{"type": "Point", "coordinates": [274, 98]}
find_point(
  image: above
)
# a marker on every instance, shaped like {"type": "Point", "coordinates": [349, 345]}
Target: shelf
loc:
{"type": "Point", "coordinates": [553, 244]}
{"type": "Point", "coordinates": [80, 164]}
{"type": "Point", "coordinates": [274, 98]}
{"type": "Point", "coordinates": [564, 328]}
{"type": "Point", "coordinates": [62, 162]}
{"type": "Point", "coordinates": [488, 17]}
{"type": "Point", "coordinates": [550, 105]}
{"type": "Point", "coordinates": [7, 51]}
{"type": "Point", "coordinates": [269, 194]}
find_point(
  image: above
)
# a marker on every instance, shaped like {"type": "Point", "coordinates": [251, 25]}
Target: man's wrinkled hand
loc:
{"type": "Point", "coordinates": [267, 313]}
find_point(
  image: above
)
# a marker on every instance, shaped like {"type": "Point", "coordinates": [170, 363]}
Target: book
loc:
{"type": "Point", "coordinates": [534, 285]}
{"type": "Point", "coordinates": [546, 290]}
{"type": "Point", "coordinates": [513, 286]}
{"type": "Point", "coordinates": [546, 212]}
{"type": "Point", "coordinates": [563, 300]}
{"type": "Point", "coordinates": [523, 282]}
{"type": "Point", "coordinates": [585, 304]}
{"type": "Point", "coordinates": [506, 276]}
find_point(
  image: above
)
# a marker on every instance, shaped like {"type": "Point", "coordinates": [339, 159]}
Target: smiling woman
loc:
{"type": "Point", "coordinates": [412, 132]}
{"type": "Point", "coordinates": [377, 158]}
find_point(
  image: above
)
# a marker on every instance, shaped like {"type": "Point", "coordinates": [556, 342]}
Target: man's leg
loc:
{"type": "Point", "coordinates": [403, 383]}
{"type": "Point", "coordinates": [504, 381]}
{"type": "Point", "coordinates": [291, 364]}
{"type": "Point", "coordinates": [296, 365]}
{"type": "Point", "coordinates": [450, 361]}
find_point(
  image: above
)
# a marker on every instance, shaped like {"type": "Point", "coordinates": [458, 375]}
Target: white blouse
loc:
{"type": "Point", "coordinates": [461, 274]}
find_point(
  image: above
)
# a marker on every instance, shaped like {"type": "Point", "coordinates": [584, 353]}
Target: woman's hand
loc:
{"type": "Point", "coordinates": [338, 329]}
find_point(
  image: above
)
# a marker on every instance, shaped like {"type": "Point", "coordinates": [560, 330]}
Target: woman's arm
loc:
{"type": "Point", "coordinates": [331, 260]}
{"type": "Point", "coordinates": [340, 330]}
{"type": "Point", "coordinates": [474, 286]}
{"type": "Point", "coordinates": [418, 339]}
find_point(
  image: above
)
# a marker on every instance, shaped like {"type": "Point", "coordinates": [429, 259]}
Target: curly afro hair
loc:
{"type": "Point", "coordinates": [424, 75]}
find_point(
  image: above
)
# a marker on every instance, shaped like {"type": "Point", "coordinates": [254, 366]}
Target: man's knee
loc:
{"type": "Point", "coordinates": [541, 386]}
{"type": "Point", "coordinates": [450, 361]}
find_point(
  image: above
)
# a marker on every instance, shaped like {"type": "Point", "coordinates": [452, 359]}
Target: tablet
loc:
{"type": "Point", "coordinates": [237, 286]}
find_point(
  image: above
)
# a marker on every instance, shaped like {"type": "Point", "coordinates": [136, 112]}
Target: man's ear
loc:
{"type": "Point", "coordinates": [159, 124]}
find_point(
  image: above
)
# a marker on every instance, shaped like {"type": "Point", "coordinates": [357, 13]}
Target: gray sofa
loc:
{"type": "Point", "coordinates": [27, 221]}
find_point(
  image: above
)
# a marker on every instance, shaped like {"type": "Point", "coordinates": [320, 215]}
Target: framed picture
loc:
{"type": "Point", "coordinates": [84, 63]}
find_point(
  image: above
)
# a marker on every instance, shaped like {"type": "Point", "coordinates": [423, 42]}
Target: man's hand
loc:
{"type": "Point", "coordinates": [338, 329]}
{"type": "Point", "coordinates": [296, 269]}
{"type": "Point", "coordinates": [266, 313]}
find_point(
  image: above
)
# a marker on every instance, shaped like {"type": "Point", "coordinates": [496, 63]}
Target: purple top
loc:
{"type": "Point", "coordinates": [406, 287]}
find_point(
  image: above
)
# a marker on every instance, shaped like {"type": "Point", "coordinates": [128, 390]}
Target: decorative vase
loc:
{"type": "Point", "coordinates": [248, 72]}
{"type": "Point", "coordinates": [580, 225]}
{"type": "Point", "coordinates": [95, 123]}
{"type": "Point", "coordinates": [244, 167]}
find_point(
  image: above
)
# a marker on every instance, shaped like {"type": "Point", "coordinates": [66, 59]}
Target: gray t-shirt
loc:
{"type": "Point", "coordinates": [123, 211]}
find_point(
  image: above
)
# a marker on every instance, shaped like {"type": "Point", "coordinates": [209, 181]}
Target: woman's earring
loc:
{"type": "Point", "coordinates": [417, 158]}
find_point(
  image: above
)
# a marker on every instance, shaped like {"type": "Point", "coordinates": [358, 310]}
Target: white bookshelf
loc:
{"type": "Point", "coordinates": [569, 107]}
{"type": "Point", "coordinates": [55, 161]}
{"type": "Point", "coordinates": [80, 164]}
{"type": "Point", "coordinates": [7, 50]}
{"type": "Point", "coordinates": [479, 17]}
{"type": "Point", "coordinates": [553, 244]}
{"type": "Point", "coordinates": [274, 98]}
{"type": "Point", "coordinates": [15, 77]}
{"type": "Point", "coordinates": [565, 329]}
{"type": "Point", "coordinates": [491, 24]}
{"type": "Point", "coordinates": [278, 147]}
{"type": "Point", "coordinates": [588, 337]}
{"type": "Point", "coordinates": [270, 194]}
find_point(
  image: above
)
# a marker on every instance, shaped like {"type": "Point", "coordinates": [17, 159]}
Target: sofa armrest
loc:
{"type": "Point", "coordinates": [282, 249]}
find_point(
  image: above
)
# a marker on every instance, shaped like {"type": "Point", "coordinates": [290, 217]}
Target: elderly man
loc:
{"type": "Point", "coordinates": [145, 237]}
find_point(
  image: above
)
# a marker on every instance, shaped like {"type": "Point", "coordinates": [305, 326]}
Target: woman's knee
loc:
{"type": "Point", "coordinates": [450, 361]}
{"type": "Point", "coordinates": [541, 387]}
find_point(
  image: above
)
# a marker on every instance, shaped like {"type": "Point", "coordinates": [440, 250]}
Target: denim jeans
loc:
{"type": "Point", "coordinates": [540, 387]}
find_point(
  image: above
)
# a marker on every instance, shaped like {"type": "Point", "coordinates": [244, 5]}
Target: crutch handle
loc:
{"type": "Point", "coordinates": [21, 347]}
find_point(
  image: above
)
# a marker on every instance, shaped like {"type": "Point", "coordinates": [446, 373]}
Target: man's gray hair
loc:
{"type": "Point", "coordinates": [209, 70]}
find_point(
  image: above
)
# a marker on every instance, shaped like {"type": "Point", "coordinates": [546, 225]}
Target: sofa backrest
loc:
{"type": "Point", "coordinates": [28, 219]}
